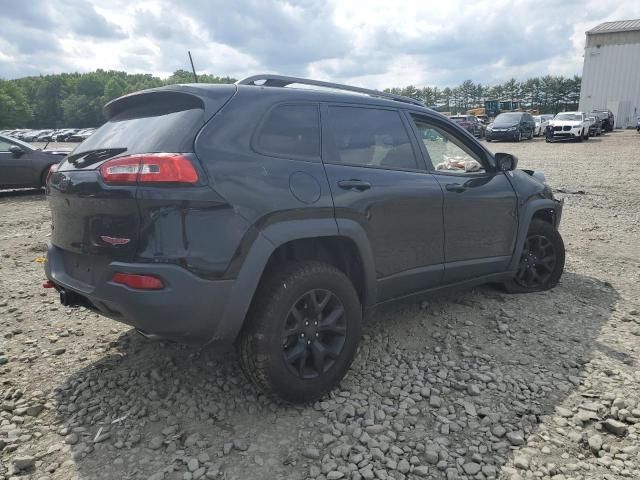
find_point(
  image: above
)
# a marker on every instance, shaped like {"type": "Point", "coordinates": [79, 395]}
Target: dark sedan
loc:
{"type": "Point", "coordinates": [23, 166]}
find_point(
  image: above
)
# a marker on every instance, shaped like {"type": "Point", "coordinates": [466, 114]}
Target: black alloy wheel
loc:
{"type": "Point", "coordinates": [541, 262]}
{"type": "Point", "coordinates": [302, 330]}
{"type": "Point", "coordinates": [537, 262]}
{"type": "Point", "coordinates": [314, 333]}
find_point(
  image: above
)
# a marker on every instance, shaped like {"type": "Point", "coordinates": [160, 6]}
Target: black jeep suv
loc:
{"type": "Point", "coordinates": [278, 218]}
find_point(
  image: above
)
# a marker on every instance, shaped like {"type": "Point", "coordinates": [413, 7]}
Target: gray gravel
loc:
{"type": "Point", "coordinates": [478, 385]}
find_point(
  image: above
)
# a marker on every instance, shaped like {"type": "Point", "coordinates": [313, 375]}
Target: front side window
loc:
{"type": "Point", "coordinates": [4, 145]}
{"type": "Point", "coordinates": [291, 131]}
{"type": "Point", "coordinates": [447, 153]}
{"type": "Point", "coordinates": [371, 137]}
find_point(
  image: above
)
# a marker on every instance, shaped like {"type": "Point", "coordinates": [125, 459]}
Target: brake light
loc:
{"type": "Point", "coordinates": [52, 169]}
{"type": "Point", "coordinates": [147, 168]}
{"type": "Point", "coordinates": [137, 281]}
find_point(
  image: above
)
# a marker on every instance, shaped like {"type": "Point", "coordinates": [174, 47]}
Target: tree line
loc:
{"type": "Point", "coordinates": [76, 99]}
{"type": "Point", "coordinates": [548, 94]}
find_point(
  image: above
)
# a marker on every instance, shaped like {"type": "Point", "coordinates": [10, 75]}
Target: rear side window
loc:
{"type": "Point", "coordinates": [290, 131]}
{"type": "Point", "coordinates": [370, 137]}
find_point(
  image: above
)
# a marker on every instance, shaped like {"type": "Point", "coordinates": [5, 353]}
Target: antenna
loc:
{"type": "Point", "coordinates": [195, 77]}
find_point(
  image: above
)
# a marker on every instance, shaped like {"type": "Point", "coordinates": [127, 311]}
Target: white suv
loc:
{"type": "Point", "coordinates": [568, 125]}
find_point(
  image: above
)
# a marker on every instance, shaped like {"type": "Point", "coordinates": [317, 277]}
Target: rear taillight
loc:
{"type": "Point", "coordinates": [148, 168]}
{"type": "Point", "coordinates": [138, 281]}
{"type": "Point", "coordinates": [52, 170]}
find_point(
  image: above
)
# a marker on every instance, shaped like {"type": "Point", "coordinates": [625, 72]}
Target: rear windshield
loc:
{"type": "Point", "coordinates": [143, 128]}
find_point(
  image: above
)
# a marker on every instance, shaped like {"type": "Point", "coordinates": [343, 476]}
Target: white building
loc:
{"type": "Point", "coordinates": [611, 72]}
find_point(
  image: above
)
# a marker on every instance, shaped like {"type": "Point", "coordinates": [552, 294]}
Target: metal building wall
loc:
{"type": "Point", "coordinates": [611, 79]}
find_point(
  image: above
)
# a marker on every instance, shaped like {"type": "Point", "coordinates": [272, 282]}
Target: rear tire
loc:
{"type": "Point", "coordinates": [541, 262]}
{"type": "Point", "coordinates": [291, 345]}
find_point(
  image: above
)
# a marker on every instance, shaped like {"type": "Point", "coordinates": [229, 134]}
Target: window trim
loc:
{"type": "Point", "coordinates": [258, 129]}
{"type": "Point", "coordinates": [482, 155]}
{"type": "Point", "coordinates": [330, 153]}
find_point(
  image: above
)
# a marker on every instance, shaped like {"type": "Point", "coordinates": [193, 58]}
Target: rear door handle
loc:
{"type": "Point", "coordinates": [455, 187]}
{"type": "Point", "coordinates": [354, 184]}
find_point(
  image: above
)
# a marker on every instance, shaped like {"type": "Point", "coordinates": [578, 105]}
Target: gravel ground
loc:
{"type": "Point", "coordinates": [478, 385]}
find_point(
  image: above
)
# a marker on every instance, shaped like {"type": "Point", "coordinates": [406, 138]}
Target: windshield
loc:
{"type": "Point", "coordinates": [569, 117]}
{"type": "Point", "coordinates": [24, 145]}
{"type": "Point", "coordinates": [507, 119]}
{"type": "Point", "coordinates": [537, 118]}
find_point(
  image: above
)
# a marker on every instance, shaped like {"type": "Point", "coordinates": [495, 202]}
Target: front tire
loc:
{"type": "Point", "coordinates": [302, 331]}
{"type": "Point", "coordinates": [542, 260]}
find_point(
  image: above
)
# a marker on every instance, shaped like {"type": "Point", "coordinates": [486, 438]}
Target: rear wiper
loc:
{"type": "Point", "coordinates": [89, 157]}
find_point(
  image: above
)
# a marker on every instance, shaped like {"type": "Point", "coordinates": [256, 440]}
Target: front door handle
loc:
{"type": "Point", "coordinates": [354, 184]}
{"type": "Point", "coordinates": [455, 187]}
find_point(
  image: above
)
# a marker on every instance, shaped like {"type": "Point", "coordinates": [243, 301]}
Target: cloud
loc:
{"type": "Point", "coordinates": [377, 44]}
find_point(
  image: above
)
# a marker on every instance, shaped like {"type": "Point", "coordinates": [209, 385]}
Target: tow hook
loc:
{"type": "Point", "coordinates": [70, 299]}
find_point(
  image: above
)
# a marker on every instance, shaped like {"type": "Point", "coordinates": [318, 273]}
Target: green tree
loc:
{"type": "Point", "coordinates": [14, 108]}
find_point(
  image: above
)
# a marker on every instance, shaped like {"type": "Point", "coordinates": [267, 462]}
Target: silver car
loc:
{"type": "Point", "coordinates": [542, 121]}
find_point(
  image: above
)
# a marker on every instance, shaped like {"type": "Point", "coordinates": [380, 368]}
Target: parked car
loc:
{"type": "Point", "coordinates": [513, 126]}
{"type": "Point", "coordinates": [81, 135]}
{"type": "Point", "coordinates": [45, 136]}
{"type": "Point", "coordinates": [22, 165]}
{"type": "Point", "coordinates": [595, 126]}
{"type": "Point", "coordinates": [568, 126]}
{"type": "Point", "coordinates": [251, 228]}
{"type": "Point", "coordinates": [64, 135]}
{"type": "Point", "coordinates": [542, 121]}
{"type": "Point", "coordinates": [608, 120]}
{"type": "Point", "coordinates": [469, 123]}
{"type": "Point", "coordinates": [31, 136]}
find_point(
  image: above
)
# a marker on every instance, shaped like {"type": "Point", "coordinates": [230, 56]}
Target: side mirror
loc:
{"type": "Point", "coordinates": [506, 162]}
{"type": "Point", "coordinates": [16, 150]}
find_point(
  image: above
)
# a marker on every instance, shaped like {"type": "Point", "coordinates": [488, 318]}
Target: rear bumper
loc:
{"type": "Point", "coordinates": [189, 309]}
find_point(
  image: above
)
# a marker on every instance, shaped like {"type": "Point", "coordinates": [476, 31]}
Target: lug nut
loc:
{"type": "Point", "coordinates": [302, 335]}
{"type": "Point", "coordinates": [317, 334]}
{"type": "Point", "coordinates": [308, 342]}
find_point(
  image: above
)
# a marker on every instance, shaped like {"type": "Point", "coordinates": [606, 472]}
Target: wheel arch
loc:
{"type": "Point", "coordinates": [313, 239]}
{"type": "Point", "coordinates": [546, 209]}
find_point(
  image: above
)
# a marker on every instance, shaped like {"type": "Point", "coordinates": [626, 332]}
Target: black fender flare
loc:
{"type": "Point", "coordinates": [527, 213]}
{"type": "Point", "coordinates": [266, 242]}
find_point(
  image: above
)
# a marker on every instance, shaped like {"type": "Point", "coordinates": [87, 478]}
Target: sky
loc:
{"type": "Point", "coordinates": [372, 43]}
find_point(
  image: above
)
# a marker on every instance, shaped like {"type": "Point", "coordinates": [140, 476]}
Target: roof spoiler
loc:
{"type": "Point", "coordinates": [174, 98]}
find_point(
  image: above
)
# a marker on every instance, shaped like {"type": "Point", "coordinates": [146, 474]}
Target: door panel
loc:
{"type": "Point", "coordinates": [378, 178]}
{"type": "Point", "coordinates": [480, 223]}
{"type": "Point", "coordinates": [401, 213]}
{"type": "Point", "coordinates": [15, 170]}
{"type": "Point", "coordinates": [479, 208]}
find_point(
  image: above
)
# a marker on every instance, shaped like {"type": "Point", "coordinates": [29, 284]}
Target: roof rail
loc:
{"type": "Point", "coordinates": [270, 80]}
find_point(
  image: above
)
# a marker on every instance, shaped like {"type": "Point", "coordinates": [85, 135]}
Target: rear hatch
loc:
{"type": "Point", "coordinates": [147, 140]}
